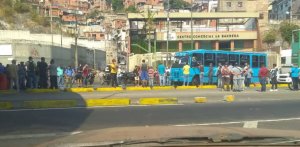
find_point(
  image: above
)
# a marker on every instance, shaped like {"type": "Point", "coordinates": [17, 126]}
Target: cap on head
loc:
{"type": "Point", "coordinates": [113, 60]}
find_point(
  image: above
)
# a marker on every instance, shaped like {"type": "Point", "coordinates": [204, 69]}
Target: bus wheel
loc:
{"type": "Point", "coordinates": [195, 81]}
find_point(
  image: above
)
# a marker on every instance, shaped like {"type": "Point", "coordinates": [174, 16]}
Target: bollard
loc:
{"type": "Point", "coordinates": [200, 99]}
{"type": "Point", "coordinates": [229, 98]}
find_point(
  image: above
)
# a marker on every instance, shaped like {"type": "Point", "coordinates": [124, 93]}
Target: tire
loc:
{"type": "Point", "coordinates": [196, 81]}
{"type": "Point", "coordinates": [290, 85]}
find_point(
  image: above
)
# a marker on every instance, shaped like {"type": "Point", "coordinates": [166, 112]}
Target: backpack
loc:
{"type": "Point", "coordinates": [225, 71]}
{"type": "Point", "coordinates": [31, 66]}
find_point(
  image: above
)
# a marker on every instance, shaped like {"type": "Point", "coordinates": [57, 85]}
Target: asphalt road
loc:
{"type": "Point", "coordinates": [281, 114]}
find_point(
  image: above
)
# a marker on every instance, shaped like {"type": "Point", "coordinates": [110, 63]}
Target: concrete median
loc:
{"type": "Point", "coordinates": [186, 87]}
{"type": "Point", "coordinates": [137, 88]}
{"type": "Point", "coordinates": [107, 102]}
{"type": "Point", "coordinates": [79, 90]}
{"type": "Point", "coordinates": [163, 88]}
{"type": "Point", "coordinates": [8, 92]}
{"type": "Point", "coordinates": [41, 90]}
{"type": "Point", "coordinates": [110, 89]}
{"type": "Point", "coordinates": [48, 104]}
{"type": "Point", "coordinates": [157, 101]}
{"type": "Point", "coordinates": [5, 105]}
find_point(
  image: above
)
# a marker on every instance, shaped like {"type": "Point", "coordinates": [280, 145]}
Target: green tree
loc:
{"type": "Point", "coordinates": [131, 9]}
{"type": "Point", "coordinates": [149, 25]}
{"type": "Point", "coordinates": [93, 13]}
{"type": "Point", "coordinates": [117, 5]}
{"type": "Point", "coordinates": [269, 37]}
{"type": "Point", "coordinates": [176, 4]}
{"type": "Point", "coordinates": [21, 8]}
{"type": "Point", "coordinates": [286, 29]}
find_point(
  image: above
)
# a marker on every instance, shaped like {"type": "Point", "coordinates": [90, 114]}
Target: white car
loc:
{"type": "Point", "coordinates": [284, 78]}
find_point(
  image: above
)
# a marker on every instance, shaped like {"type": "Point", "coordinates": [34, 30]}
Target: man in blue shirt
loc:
{"type": "Point", "coordinates": [2, 68]}
{"type": "Point", "coordinates": [295, 76]}
{"type": "Point", "coordinates": [69, 73]}
{"type": "Point", "coordinates": [161, 71]}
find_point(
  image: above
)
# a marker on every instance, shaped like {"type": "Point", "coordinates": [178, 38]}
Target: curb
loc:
{"type": "Point", "coordinates": [137, 88]}
{"type": "Point", "coordinates": [207, 86]}
{"type": "Point", "coordinates": [200, 99]}
{"type": "Point", "coordinates": [154, 101]}
{"type": "Point", "coordinates": [8, 92]}
{"type": "Point", "coordinates": [107, 102]}
{"type": "Point", "coordinates": [163, 88]}
{"type": "Point", "coordinates": [186, 87]}
{"type": "Point", "coordinates": [49, 104]}
{"type": "Point", "coordinates": [5, 105]}
{"type": "Point", "coordinates": [110, 89]}
{"type": "Point", "coordinates": [79, 90]}
{"type": "Point", "coordinates": [41, 90]}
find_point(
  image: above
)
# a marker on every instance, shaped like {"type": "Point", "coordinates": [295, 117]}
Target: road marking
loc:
{"type": "Point", "coordinates": [251, 124]}
{"type": "Point", "coordinates": [12, 110]}
{"type": "Point", "coordinates": [38, 135]}
{"type": "Point", "coordinates": [238, 122]}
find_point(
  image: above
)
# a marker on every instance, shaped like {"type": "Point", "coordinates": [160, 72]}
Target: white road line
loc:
{"type": "Point", "coordinates": [239, 122]}
{"type": "Point", "coordinates": [10, 110]}
{"type": "Point", "coordinates": [250, 124]}
{"type": "Point", "coordinates": [38, 135]}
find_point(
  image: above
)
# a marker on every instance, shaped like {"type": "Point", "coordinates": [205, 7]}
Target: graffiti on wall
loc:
{"type": "Point", "coordinates": [25, 53]}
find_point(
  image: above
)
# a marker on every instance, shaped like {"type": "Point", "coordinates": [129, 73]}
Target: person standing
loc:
{"type": "Point", "coordinates": [144, 73]}
{"type": "Point", "coordinates": [262, 75]}
{"type": "Point", "coordinates": [79, 75]}
{"type": "Point", "coordinates": [113, 73]}
{"type": "Point", "coordinates": [119, 76]}
{"type": "Point", "coordinates": [161, 71]}
{"type": "Point", "coordinates": [31, 75]}
{"type": "Point", "coordinates": [69, 76]}
{"type": "Point", "coordinates": [60, 77]}
{"type": "Point", "coordinates": [53, 74]}
{"type": "Point", "coordinates": [13, 71]}
{"type": "Point", "coordinates": [186, 73]}
{"type": "Point", "coordinates": [156, 77]}
{"type": "Point", "coordinates": [85, 73]}
{"type": "Point", "coordinates": [22, 74]}
{"type": "Point", "coordinates": [249, 76]}
{"type": "Point", "coordinates": [274, 72]}
{"type": "Point", "coordinates": [225, 77]}
{"type": "Point", "coordinates": [237, 71]}
{"type": "Point", "coordinates": [136, 76]}
{"type": "Point", "coordinates": [2, 69]}
{"type": "Point", "coordinates": [219, 75]}
{"type": "Point", "coordinates": [151, 76]}
{"type": "Point", "coordinates": [201, 74]}
{"type": "Point", "coordinates": [42, 68]}
{"type": "Point", "coordinates": [210, 74]}
{"type": "Point", "coordinates": [295, 76]}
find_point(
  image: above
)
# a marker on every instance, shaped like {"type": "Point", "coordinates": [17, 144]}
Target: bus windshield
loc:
{"type": "Point", "coordinates": [181, 59]}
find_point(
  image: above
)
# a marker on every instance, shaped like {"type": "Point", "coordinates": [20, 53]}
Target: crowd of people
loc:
{"type": "Point", "coordinates": [33, 75]}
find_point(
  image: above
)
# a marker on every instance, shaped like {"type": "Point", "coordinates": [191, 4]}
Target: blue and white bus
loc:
{"type": "Point", "coordinates": [208, 56]}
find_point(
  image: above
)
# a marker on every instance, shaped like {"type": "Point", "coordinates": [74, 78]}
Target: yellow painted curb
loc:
{"type": "Point", "coordinates": [107, 102]}
{"type": "Point", "coordinates": [200, 99]}
{"type": "Point", "coordinates": [110, 89]}
{"type": "Point", "coordinates": [48, 104]}
{"type": "Point", "coordinates": [229, 98]}
{"type": "Point", "coordinates": [42, 90]}
{"type": "Point", "coordinates": [8, 92]}
{"type": "Point", "coordinates": [5, 105]}
{"type": "Point", "coordinates": [163, 88]}
{"type": "Point", "coordinates": [79, 90]}
{"type": "Point", "coordinates": [138, 88]}
{"type": "Point", "coordinates": [282, 85]}
{"type": "Point", "coordinates": [207, 86]}
{"type": "Point", "coordinates": [154, 101]}
{"type": "Point", "coordinates": [186, 87]}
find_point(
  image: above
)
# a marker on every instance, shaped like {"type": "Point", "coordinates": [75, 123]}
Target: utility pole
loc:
{"type": "Point", "coordinates": [51, 22]}
{"type": "Point", "coordinates": [168, 19]}
{"type": "Point", "coordinates": [61, 31]}
{"type": "Point", "coordinates": [192, 36]}
{"type": "Point", "coordinates": [76, 35]}
{"type": "Point", "coordinates": [291, 11]}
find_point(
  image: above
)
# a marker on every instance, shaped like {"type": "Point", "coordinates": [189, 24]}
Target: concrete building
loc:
{"type": "Point", "coordinates": [100, 5]}
{"type": "Point", "coordinates": [212, 31]}
{"type": "Point", "coordinates": [282, 10]}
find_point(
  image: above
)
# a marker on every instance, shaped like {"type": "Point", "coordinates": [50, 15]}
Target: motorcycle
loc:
{"type": "Point", "coordinates": [105, 77]}
{"type": "Point", "coordinates": [91, 78]}
{"type": "Point", "coordinates": [127, 77]}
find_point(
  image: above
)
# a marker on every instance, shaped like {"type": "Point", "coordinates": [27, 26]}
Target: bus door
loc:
{"type": "Point", "coordinates": [254, 64]}
{"type": "Point", "coordinates": [197, 58]}
{"type": "Point", "coordinates": [208, 59]}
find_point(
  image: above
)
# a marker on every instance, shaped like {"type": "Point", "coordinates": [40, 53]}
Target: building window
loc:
{"type": "Point", "coordinates": [228, 4]}
{"type": "Point", "coordinates": [240, 4]}
{"type": "Point", "coordinates": [101, 35]}
{"type": "Point", "coordinates": [283, 60]}
{"type": "Point", "coordinates": [261, 16]}
{"type": "Point", "coordinates": [118, 22]}
{"type": "Point", "coordinates": [281, 7]}
{"type": "Point", "coordinates": [94, 35]}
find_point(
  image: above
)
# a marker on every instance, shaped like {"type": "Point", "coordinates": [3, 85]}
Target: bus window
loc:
{"type": "Point", "coordinates": [244, 59]}
{"type": "Point", "coordinates": [196, 59]}
{"type": "Point", "coordinates": [209, 58]}
{"type": "Point", "coordinates": [181, 59]}
{"type": "Point", "coordinates": [233, 59]}
{"type": "Point", "coordinates": [222, 58]}
{"type": "Point", "coordinates": [254, 61]}
{"type": "Point", "coordinates": [262, 60]}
